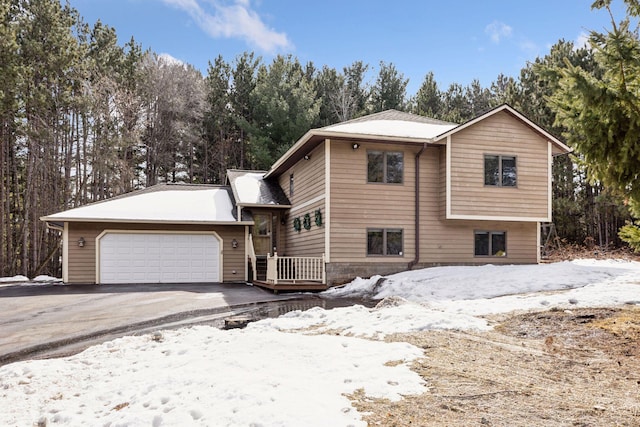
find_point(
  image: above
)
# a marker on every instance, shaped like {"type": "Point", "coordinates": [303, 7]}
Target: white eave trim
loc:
{"type": "Point", "coordinates": [340, 135]}
{"type": "Point", "coordinates": [144, 221]}
{"type": "Point", "coordinates": [259, 205]}
{"type": "Point", "coordinates": [498, 218]}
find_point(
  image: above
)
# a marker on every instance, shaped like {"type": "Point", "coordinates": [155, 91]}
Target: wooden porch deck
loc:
{"type": "Point", "coordinates": [298, 286]}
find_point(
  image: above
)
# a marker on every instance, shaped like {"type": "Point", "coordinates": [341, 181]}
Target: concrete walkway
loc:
{"type": "Point", "coordinates": [37, 319]}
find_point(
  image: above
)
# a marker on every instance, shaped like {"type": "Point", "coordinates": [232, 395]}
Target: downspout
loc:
{"type": "Point", "coordinates": [417, 209]}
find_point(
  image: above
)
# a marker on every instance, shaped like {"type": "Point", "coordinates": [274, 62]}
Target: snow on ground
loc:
{"type": "Point", "coordinates": [294, 370]}
{"type": "Point", "coordinates": [24, 280]}
{"type": "Point", "coordinates": [205, 376]}
{"type": "Point", "coordinates": [14, 279]}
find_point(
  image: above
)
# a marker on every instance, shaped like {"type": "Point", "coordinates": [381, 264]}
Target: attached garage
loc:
{"type": "Point", "coordinates": [168, 233]}
{"type": "Point", "coordinates": [153, 257]}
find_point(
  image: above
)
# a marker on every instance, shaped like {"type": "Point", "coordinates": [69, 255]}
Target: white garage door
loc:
{"type": "Point", "coordinates": [159, 258]}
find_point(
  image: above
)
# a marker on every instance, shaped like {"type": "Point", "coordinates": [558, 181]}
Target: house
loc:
{"type": "Point", "coordinates": [375, 195]}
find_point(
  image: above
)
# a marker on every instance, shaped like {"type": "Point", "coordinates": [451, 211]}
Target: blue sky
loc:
{"type": "Point", "coordinates": [457, 40]}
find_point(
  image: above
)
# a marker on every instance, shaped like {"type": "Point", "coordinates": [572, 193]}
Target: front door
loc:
{"type": "Point", "coordinates": [262, 233]}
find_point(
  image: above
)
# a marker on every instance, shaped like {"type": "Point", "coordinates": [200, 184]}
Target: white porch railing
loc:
{"type": "Point", "coordinates": [292, 270]}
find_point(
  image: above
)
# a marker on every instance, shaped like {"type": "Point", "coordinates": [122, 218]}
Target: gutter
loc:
{"type": "Point", "coordinates": [55, 226]}
{"type": "Point", "coordinates": [417, 209]}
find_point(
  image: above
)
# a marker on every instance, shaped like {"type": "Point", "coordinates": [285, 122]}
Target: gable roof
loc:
{"type": "Point", "coordinates": [397, 127]}
{"type": "Point", "coordinates": [512, 111]}
{"type": "Point", "coordinates": [393, 123]}
{"type": "Point", "coordinates": [386, 126]}
{"type": "Point", "coordinates": [162, 203]}
{"type": "Point", "coordinates": [251, 189]}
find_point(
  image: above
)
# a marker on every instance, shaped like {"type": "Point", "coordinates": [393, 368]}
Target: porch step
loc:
{"type": "Point", "coordinates": [261, 268]}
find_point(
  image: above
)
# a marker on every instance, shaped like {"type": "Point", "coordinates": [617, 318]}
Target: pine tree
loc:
{"type": "Point", "coordinates": [389, 91]}
{"type": "Point", "coordinates": [601, 109]}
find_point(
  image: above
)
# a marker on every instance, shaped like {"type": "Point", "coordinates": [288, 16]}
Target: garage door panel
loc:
{"type": "Point", "coordinates": [159, 258]}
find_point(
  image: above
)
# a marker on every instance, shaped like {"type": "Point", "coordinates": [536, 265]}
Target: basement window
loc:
{"type": "Point", "coordinates": [384, 242]}
{"type": "Point", "coordinates": [490, 243]}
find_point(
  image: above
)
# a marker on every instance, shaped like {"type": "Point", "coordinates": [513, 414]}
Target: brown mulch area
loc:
{"type": "Point", "coordinates": [553, 368]}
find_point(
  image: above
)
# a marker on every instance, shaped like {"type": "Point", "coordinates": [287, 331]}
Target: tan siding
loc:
{"type": "Point", "coordinates": [309, 185]}
{"type": "Point", "coordinates": [357, 205]}
{"type": "Point", "coordinates": [82, 261]}
{"type": "Point", "coordinates": [499, 134]}
{"type": "Point", "coordinates": [452, 242]}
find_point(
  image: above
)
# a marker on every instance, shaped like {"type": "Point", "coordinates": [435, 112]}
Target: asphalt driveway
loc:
{"type": "Point", "coordinates": [47, 320]}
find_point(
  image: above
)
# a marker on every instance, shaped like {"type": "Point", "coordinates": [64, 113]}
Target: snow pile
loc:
{"type": "Point", "coordinates": [204, 376]}
{"type": "Point", "coordinates": [14, 279]}
{"type": "Point", "coordinates": [46, 279]}
{"type": "Point", "coordinates": [487, 281]}
{"type": "Point", "coordinates": [373, 323]}
{"type": "Point", "coordinates": [24, 280]}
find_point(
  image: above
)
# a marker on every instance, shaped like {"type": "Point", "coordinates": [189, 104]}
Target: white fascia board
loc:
{"type": "Point", "coordinates": [142, 221]}
{"type": "Point", "coordinates": [340, 135]}
{"type": "Point", "coordinates": [299, 143]}
{"type": "Point", "coordinates": [498, 218]}
{"type": "Point", "coordinates": [259, 205]}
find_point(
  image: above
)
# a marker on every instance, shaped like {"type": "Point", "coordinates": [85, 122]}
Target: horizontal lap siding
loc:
{"type": "Point", "coordinates": [452, 242]}
{"type": "Point", "coordinates": [499, 134]}
{"type": "Point", "coordinates": [82, 261]}
{"type": "Point", "coordinates": [357, 205]}
{"type": "Point", "coordinates": [309, 184]}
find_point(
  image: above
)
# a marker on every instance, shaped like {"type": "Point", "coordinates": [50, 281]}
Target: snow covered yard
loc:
{"type": "Point", "coordinates": [445, 346]}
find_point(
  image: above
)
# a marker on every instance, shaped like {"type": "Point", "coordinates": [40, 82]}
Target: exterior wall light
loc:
{"type": "Point", "coordinates": [355, 146]}
{"type": "Point", "coordinates": [81, 242]}
{"type": "Point", "coordinates": [307, 157]}
{"type": "Point", "coordinates": [234, 244]}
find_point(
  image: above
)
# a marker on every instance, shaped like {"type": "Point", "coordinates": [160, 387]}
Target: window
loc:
{"type": "Point", "coordinates": [385, 167]}
{"type": "Point", "coordinates": [490, 243]}
{"type": "Point", "coordinates": [384, 241]}
{"type": "Point", "coordinates": [500, 171]}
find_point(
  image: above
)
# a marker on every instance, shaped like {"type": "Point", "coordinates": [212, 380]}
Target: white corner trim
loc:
{"type": "Point", "coordinates": [448, 177]}
{"type": "Point", "coordinates": [550, 180]}
{"type": "Point", "coordinates": [246, 253]}
{"type": "Point", "coordinates": [65, 253]}
{"type": "Point", "coordinates": [327, 200]}
{"type": "Point", "coordinates": [538, 246]}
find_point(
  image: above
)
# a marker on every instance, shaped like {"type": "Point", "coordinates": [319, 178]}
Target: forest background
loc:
{"type": "Point", "coordinates": [84, 118]}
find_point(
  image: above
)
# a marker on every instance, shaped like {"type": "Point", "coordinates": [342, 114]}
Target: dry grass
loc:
{"type": "Point", "coordinates": [555, 368]}
{"type": "Point", "coordinates": [563, 251]}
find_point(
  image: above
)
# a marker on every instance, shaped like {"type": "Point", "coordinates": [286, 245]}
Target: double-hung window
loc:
{"type": "Point", "coordinates": [500, 171]}
{"type": "Point", "coordinates": [385, 167]}
{"type": "Point", "coordinates": [490, 243]}
{"type": "Point", "coordinates": [384, 241]}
